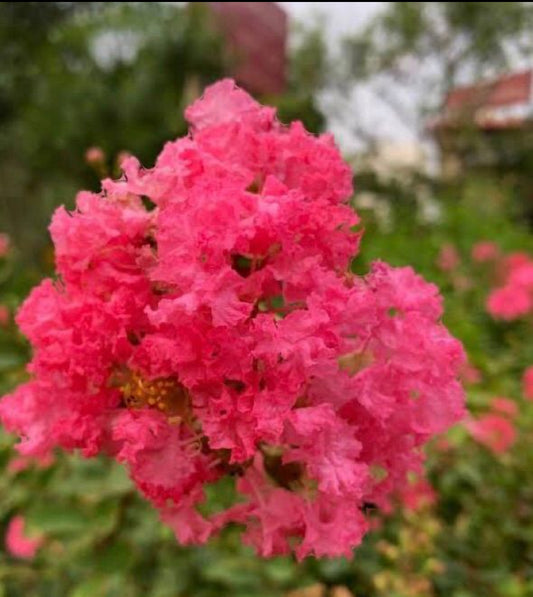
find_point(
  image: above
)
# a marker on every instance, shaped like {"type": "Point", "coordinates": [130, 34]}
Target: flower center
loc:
{"type": "Point", "coordinates": [166, 394]}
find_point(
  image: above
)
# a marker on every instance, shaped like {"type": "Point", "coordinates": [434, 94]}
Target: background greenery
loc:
{"type": "Point", "coordinates": [58, 97]}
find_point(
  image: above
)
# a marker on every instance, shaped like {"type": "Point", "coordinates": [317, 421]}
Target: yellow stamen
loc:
{"type": "Point", "coordinates": [168, 395]}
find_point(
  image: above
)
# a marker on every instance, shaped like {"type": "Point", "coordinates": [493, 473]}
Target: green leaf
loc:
{"type": "Point", "coordinates": [10, 360]}
{"type": "Point", "coordinates": [56, 518]}
{"type": "Point", "coordinates": [118, 556]}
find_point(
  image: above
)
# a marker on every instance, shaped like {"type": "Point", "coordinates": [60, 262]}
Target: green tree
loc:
{"type": "Point", "coordinates": [114, 75]}
{"type": "Point", "coordinates": [412, 53]}
{"type": "Point", "coordinates": [307, 72]}
{"type": "Point", "coordinates": [76, 75]}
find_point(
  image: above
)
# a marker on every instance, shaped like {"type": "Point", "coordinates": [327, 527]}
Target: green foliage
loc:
{"type": "Point", "coordinates": [307, 74]}
{"type": "Point", "coordinates": [453, 37]}
{"type": "Point", "coordinates": [83, 74]}
{"type": "Point", "coordinates": [113, 75]}
{"type": "Point", "coordinates": [413, 53]}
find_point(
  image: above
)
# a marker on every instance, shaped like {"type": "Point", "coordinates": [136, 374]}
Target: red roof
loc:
{"type": "Point", "coordinates": [504, 103]}
{"type": "Point", "coordinates": [510, 89]}
{"type": "Point", "coordinates": [257, 35]}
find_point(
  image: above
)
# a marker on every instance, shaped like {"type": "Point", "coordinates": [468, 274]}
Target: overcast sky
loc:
{"type": "Point", "coordinates": [341, 18]}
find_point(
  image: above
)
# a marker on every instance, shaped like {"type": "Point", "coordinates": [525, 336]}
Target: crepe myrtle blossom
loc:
{"type": "Point", "coordinates": [4, 316]}
{"type": "Point", "coordinates": [448, 258]}
{"type": "Point", "coordinates": [5, 244]}
{"type": "Point", "coordinates": [470, 375]}
{"type": "Point", "coordinates": [18, 543]}
{"type": "Point", "coordinates": [485, 251]}
{"type": "Point", "coordinates": [205, 324]}
{"type": "Point", "coordinates": [513, 299]}
{"type": "Point", "coordinates": [496, 429]}
{"type": "Point", "coordinates": [527, 383]}
{"type": "Point", "coordinates": [504, 406]}
{"type": "Point", "coordinates": [95, 155]}
{"type": "Point", "coordinates": [417, 495]}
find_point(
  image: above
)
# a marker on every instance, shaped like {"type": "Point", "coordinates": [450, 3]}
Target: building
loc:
{"type": "Point", "coordinates": [391, 160]}
{"type": "Point", "coordinates": [256, 38]}
{"type": "Point", "coordinates": [486, 125]}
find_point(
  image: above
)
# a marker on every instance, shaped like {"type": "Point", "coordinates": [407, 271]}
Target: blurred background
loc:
{"type": "Point", "coordinates": [432, 104]}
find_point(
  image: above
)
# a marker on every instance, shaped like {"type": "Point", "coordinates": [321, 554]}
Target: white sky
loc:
{"type": "Point", "coordinates": [340, 19]}
{"type": "Point", "coordinates": [365, 106]}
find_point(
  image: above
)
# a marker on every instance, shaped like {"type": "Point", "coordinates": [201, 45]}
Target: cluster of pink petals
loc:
{"type": "Point", "coordinates": [504, 406]}
{"type": "Point", "coordinates": [94, 155]}
{"type": "Point", "coordinates": [22, 462]}
{"type": "Point", "coordinates": [514, 298]}
{"type": "Point", "coordinates": [470, 375]}
{"type": "Point", "coordinates": [448, 258]}
{"type": "Point", "coordinates": [527, 383]}
{"type": "Point", "coordinates": [485, 251]}
{"type": "Point", "coordinates": [418, 494]}
{"type": "Point", "coordinates": [205, 325]}
{"type": "Point", "coordinates": [4, 316]}
{"type": "Point", "coordinates": [5, 244]}
{"type": "Point", "coordinates": [18, 543]}
{"type": "Point", "coordinates": [496, 430]}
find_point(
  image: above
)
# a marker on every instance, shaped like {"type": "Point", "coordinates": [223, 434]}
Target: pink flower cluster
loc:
{"type": "Point", "coordinates": [18, 543]}
{"type": "Point", "coordinates": [514, 298]}
{"type": "Point", "coordinates": [485, 251]}
{"type": "Point", "coordinates": [418, 494]}
{"type": "Point", "coordinates": [496, 430]}
{"type": "Point", "coordinates": [527, 383]}
{"type": "Point", "coordinates": [448, 258]}
{"type": "Point", "coordinates": [4, 316]}
{"type": "Point", "coordinates": [470, 375]}
{"type": "Point", "coordinates": [95, 155]}
{"type": "Point", "coordinates": [5, 244]}
{"type": "Point", "coordinates": [449, 262]}
{"type": "Point", "coordinates": [205, 325]}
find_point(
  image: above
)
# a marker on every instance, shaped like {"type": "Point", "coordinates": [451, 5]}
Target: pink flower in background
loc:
{"type": "Point", "coordinates": [514, 298]}
{"type": "Point", "coordinates": [509, 302]}
{"type": "Point", "coordinates": [469, 374]}
{"type": "Point", "coordinates": [18, 544]}
{"type": "Point", "coordinates": [461, 282]}
{"type": "Point", "coordinates": [5, 244]}
{"type": "Point", "coordinates": [418, 494]}
{"type": "Point", "coordinates": [504, 406]}
{"type": "Point", "coordinates": [21, 462]}
{"type": "Point", "coordinates": [522, 276]}
{"type": "Point", "coordinates": [443, 444]}
{"type": "Point", "coordinates": [122, 155]}
{"type": "Point", "coordinates": [494, 431]}
{"type": "Point", "coordinates": [221, 333]}
{"type": "Point", "coordinates": [448, 259]}
{"type": "Point", "coordinates": [515, 260]}
{"type": "Point", "coordinates": [94, 155]}
{"type": "Point", "coordinates": [4, 316]}
{"type": "Point", "coordinates": [484, 251]}
{"type": "Point", "coordinates": [527, 383]}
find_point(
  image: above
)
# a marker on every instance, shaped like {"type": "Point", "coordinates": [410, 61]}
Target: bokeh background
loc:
{"type": "Point", "coordinates": [432, 103]}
